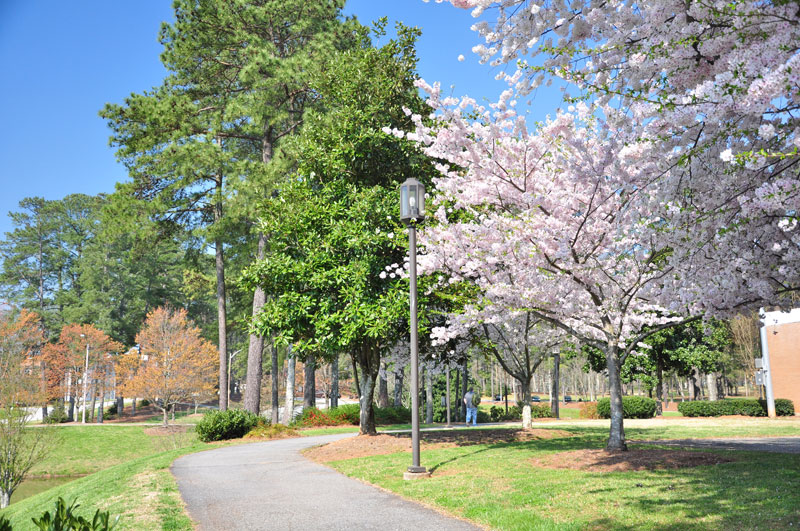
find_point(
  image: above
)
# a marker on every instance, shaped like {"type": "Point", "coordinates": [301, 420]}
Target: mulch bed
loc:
{"type": "Point", "coordinates": [368, 445]}
{"type": "Point", "coordinates": [606, 461]}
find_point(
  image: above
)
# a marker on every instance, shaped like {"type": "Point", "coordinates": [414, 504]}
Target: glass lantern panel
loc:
{"type": "Point", "coordinates": [421, 199]}
{"type": "Point", "coordinates": [404, 210]}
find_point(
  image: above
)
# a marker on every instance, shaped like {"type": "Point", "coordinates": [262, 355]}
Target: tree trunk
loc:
{"type": "Point", "coordinates": [71, 411]}
{"type": "Point", "coordinates": [5, 498]}
{"type": "Point", "coordinates": [120, 406]}
{"type": "Point", "coordinates": [369, 359]}
{"type": "Point", "coordinates": [252, 393]}
{"type": "Point", "coordinates": [275, 381]}
{"type": "Point", "coordinates": [465, 378]}
{"type": "Point", "coordinates": [458, 397]}
{"type": "Point", "coordinates": [94, 397]}
{"type": "Point", "coordinates": [616, 438]}
{"type": "Point", "coordinates": [694, 388]}
{"type": "Point", "coordinates": [383, 388]}
{"type": "Point", "coordinates": [711, 384]}
{"type": "Point", "coordinates": [428, 397]}
{"type": "Point", "coordinates": [524, 390]}
{"type": "Point", "coordinates": [221, 312]}
{"type": "Point", "coordinates": [309, 383]}
{"type": "Point", "coordinates": [556, 379]}
{"type": "Point", "coordinates": [101, 408]}
{"type": "Point", "coordinates": [335, 382]}
{"type": "Point", "coordinates": [166, 418]}
{"type": "Point", "coordinates": [398, 387]}
{"type": "Point", "coordinates": [288, 406]}
{"type": "Point", "coordinates": [659, 385]}
{"type": "Point", "coordinates": [133, 407]}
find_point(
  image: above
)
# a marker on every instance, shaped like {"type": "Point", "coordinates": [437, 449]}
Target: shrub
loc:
{"type": "Point", "coordinates": [221, 425]}
{"type": "Point", "coordinates": [749, 407]}
{"type": "Point", "coordinates": [314, 417]}
{"type": "Point", "coordinates": [498, 414]}
{"type": "Point", "coordinates": [64, 518]}
{"type": "Point", "coordinates": [541, 411]}
{"type": "Point", "coordinates": [346, 414]}
{"type": "Point", "coordinates": [57, 415]}
{"type": "Point", "coordinates": [144, 402]}
{"type": "Point", "coordinates": [393, 415]}
{"type": "Point", "coordinates": [633, 407]}
{"type": "Point", "coordinates": [588, 410]}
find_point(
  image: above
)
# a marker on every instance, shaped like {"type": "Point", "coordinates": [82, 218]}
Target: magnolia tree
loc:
{"type": "Point", "coordinates": [175, 364]}
{"type": "Point", "coordinates": [713, 89]}
{"type": "Point", "coordinates": [555, 223]}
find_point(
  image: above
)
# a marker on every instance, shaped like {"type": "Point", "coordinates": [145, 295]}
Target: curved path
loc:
{"type": "Point", "coordinates": [270, 485]}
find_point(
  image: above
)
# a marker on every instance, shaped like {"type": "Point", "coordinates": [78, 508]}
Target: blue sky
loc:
{"type": "Point", "coordinates": [62, 61]}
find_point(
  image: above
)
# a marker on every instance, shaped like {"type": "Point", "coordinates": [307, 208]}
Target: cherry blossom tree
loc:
{"type": "Point", "coordinates": [556, 223]}
{"type": "Point", "coordinates": [713, 87]}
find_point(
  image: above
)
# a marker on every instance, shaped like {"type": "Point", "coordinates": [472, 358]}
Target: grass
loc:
{"type": "Point", "coordinates": [143, 491]}
{"type": "Point", "coordinates": [494, 485]}
{"type": "Point", "coordinates": [88, 449]}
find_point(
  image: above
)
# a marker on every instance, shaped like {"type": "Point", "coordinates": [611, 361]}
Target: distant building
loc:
{"type": "Point", "coordinates": [783, 344]}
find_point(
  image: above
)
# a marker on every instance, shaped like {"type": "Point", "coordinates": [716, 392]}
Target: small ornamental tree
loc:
{"type": "Point", "coordinates": [174, 364]}
{"type": "Point", "coordinates": [20, 387]}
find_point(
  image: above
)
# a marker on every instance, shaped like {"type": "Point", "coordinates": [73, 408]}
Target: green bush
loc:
{"type": "Point", "coordinates": [57, 415]}
{"type": "Point", "coordinates": [633, 407]}
{"type": "Point", "coordinates": [749, 407]}
{"type": "Point", "coordinates": [144, 402]}
{"type": "Point", "coordinates": [222, 425]}
{"type": "Point", "coordinates": [5, 525]}
{"type": "Point", "coordinates": [541, 411]}
{"type": "Point", "coordinates": [65, 519]}
{"type": "Point", "coordinates": [346, 414]}
{"type": "Point", "coordinates": [392, 415]}
{"type": "Point", "coordinates": [498, 414]}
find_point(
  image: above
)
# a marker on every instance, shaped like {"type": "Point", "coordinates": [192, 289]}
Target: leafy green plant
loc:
{"type": "Point", "coordinates": [498, 414]}
{"type": "Point", "coordinates": [541, 411]}
{"type": "Point", "coordinates": [223, 425]}
{"type": "Point", "coordinates": [5, 525]}
{"type": "Point", "coordinates": [56, 416]}
{"type": "Point", "coordinates": [633, 407]}
{"type": "Point", "coordinates": [267, 430]}
{"type": "Point", "coordinates": [64, 518]}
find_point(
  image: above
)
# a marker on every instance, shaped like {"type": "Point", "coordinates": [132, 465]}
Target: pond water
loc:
{"type": "Point", "coordinates": [29, 487]}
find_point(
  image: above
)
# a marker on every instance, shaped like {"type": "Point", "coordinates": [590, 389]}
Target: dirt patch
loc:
{"type": "Point", "coordinates": [366, 445]}
{"type": "Point", "coordinates": [172, 429]}
{"type": "Point", "coordinates": [605, 461]}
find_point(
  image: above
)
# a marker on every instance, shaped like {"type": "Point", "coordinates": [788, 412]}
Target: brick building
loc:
{"type": "Point", "coordinates": [783, 344]}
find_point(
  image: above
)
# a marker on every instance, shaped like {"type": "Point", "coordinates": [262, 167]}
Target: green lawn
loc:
{"type": "Point", "coordinates": [495, 485]}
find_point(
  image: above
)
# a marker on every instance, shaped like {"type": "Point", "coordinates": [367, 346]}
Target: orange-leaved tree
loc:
{"type": "Point", "coordinates": [21, 447]}
{"type": "Point", "coordinates": [66, 362]}
{"type": "Point", "coordinates": [174, 365]}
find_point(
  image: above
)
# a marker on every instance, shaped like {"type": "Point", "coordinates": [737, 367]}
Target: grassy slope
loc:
{"type": "Point", "coordinates": [493, 485]}
{"type": "Point", "coordinates": [87, 449]}
{"type": "Point", "coordinates": [142, 491]}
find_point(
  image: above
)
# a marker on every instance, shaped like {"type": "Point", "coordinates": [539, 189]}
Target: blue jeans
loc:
{"type": "Point", "coordinates": [472, 412]}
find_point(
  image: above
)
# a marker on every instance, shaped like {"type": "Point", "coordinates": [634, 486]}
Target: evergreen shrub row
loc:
{"type": "Point", "coordinates": [749, 407]}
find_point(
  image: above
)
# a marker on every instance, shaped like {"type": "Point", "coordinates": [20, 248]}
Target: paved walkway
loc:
{"type": "Point", "coordinates": [270, 485]}
{"type": "Point", "coordinates": [781, 445]}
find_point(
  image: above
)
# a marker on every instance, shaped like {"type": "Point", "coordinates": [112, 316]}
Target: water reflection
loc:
{"type": "Point", "coordinates": [29, 487]}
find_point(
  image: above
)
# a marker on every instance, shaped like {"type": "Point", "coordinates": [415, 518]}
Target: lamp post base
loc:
{"type": "Point", "coordinates": [416, 472]}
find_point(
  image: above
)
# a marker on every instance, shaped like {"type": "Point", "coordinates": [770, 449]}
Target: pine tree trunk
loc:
{"type": "Point", "coordinates": [252, 393]}
{"type": "Point", "coordinates": [616, 438]}
{"type": "Point", "coordinates": [102, 401]}
{"type": "Point", "coordinates": [94, 397]}
{"type": "Point", "coordinates": [335, 382]}
{"type": "Point", "coordinates": [309, 383]}
{"type": "Point", "coordinates": [428, 397]}
{"type": "Point", "coordinates": [222, 314]}
{"type": "Point", "coordinates": [398, 387]}
{"type": "Point", "coordinates": [383, 388]}
{"type": "Point", "coordinates": [120, 406]}
{"type": "Point", "coordinates": [288, 406]}
{"type": "Point", "coordinates": [556, 379]}
{"type": "Point", "coordinates": [275, 382]}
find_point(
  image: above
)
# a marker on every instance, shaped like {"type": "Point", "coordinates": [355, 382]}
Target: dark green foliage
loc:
{"type": "Point", "coordinates": [144, 403]}
{"type": "Point", "coordinates": [483, 417]}
{"type": "Point", "coordinates": [223, 425]}
{"type": "Point", "coordinates": [734, 406]}
{"type": "Point", "coordinates": [64, 518]}
{"type": "Point", "coordinates": [498, 414]}
{"type": "Point", "coordinates": [633, 407]}
{"type": "Point", "coordinates": [57, 415]}
{"type": "Point", "coordinates": [392, 415]}
{"type": "Point", "coordinates": [4, 524]}
{"type": "Point", "coordinates": [348, 414]}
{"type": "Point", "coordinates": [541, 411]}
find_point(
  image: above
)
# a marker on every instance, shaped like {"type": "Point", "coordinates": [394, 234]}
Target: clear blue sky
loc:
{"type": "Point", "coordinates": [62, 61]}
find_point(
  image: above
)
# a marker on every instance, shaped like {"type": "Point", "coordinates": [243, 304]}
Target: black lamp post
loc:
{"type": "Point", "coordinates": [412, 211]}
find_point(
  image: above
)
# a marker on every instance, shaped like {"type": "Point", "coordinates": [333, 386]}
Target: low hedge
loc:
{"type": "Point", "coordinates": [349, 414]}
{"type": "Point", "coordinates": [749, 407]}
{"type": "Point", "coordinates": [633, 407]}
{"type": "Point", "coordinates": [222, 425]}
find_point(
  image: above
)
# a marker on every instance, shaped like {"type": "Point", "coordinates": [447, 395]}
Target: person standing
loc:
{"type": "Point", "coordinates": [472, 409]}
